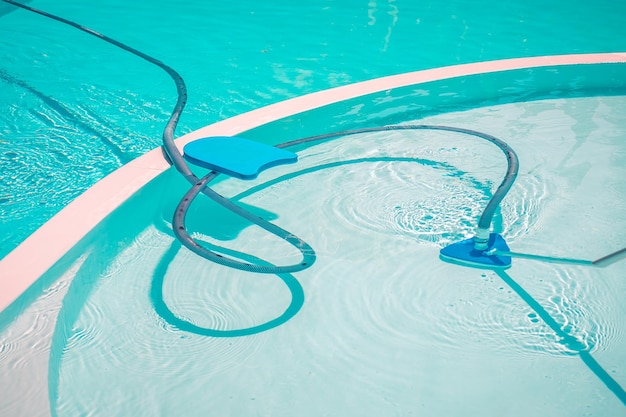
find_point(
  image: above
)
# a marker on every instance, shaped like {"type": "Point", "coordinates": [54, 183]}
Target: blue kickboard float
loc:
{"type": "Point", "coordinates": [463, 253]}
{"type": "Point", "coordinates": [238, 157]}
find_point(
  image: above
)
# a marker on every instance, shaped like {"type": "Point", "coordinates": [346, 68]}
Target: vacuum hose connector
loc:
{"type": "Point", "coordinates": [481, 239]}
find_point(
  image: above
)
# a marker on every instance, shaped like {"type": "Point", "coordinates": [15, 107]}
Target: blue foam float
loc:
{"type": "Point", "coordinates": [238, 157]}
{"type": "Point", "coordinates": [464, 253]}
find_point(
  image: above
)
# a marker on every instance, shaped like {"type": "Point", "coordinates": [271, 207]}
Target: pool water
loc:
{"type": "Point", "coordinates": [379, 325]}
{"type": "Point", "coordinates": [73, 108]}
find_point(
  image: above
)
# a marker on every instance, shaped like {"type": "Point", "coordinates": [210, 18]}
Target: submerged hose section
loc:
{"type": "Point", "coordinates": [181, 233]}
{"type": "Point", "coordinates": [173, 155]}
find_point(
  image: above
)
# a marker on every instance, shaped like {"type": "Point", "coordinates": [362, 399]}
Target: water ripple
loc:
{"type": "Point", "coordinates": [406, 198]}
{"type": "Point", "coordinates": [119, 333]}
{"type": "Point", "coordinates": [522, 208]}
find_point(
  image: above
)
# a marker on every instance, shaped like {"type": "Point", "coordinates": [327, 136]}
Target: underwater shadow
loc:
{"type": "Point", "coordinates": [69, 116]}
{"type": "Point", "coordinates": [163, 310]}
{"type": "Point", "coordinates": [566, 339]}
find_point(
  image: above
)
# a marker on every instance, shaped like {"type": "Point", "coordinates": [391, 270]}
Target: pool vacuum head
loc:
{"type": "Point", "coordinates": [464, 253]}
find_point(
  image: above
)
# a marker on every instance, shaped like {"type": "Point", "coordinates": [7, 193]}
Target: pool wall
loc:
{"type": "Point", "coordinates": [48, 251]}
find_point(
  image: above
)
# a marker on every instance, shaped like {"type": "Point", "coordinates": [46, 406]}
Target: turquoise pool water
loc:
{"type": "Point", "coordinates": [72, 108]}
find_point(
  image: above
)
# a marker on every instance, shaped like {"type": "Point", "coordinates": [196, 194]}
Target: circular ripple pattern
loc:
{"type": "Point", "coordinates": [399, 197]}
{"type": "Point", "coordinates": [447, 213]}
{"type": "Point", "coordinates": [416, 186]}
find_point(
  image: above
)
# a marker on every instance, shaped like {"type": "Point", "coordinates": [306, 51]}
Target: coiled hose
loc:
{"type": "Point", "coordinates": [484, 223]}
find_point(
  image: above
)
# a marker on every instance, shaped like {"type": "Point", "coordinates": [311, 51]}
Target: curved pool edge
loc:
{"type": "Point", "coordinates": [23, 266]}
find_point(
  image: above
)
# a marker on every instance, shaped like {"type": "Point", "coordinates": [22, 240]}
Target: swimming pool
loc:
{"type": "Point", "coordinates": [379, 323]}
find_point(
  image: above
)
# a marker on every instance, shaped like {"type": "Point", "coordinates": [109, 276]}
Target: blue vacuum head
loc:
{"type": "Point", "coordinates": [464, 253]}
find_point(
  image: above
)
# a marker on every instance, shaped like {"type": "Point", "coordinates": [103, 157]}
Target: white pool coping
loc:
{"type": "Point", "coordinates": [22, 267]}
